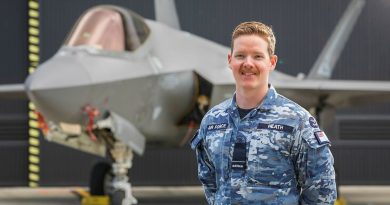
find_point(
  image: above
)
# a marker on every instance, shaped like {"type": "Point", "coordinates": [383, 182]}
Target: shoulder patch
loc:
{"type": "Point", "coordinates": [313, 122]}
{"type": "Point", "coordinates": [278, 127]}
{"type": "Point", "coordinates": [321, 137]}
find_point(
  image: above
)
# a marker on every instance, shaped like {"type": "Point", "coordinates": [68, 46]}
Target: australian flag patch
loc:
{"type": "Point", "coordinates": [321, 137]}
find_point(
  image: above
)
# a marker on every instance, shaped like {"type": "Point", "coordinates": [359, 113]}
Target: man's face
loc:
{"type": "Point", "coordinates": [250, 62]}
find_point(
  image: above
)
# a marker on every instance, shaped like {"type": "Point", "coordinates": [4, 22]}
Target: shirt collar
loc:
{"type": "Point", "coordinates": [268, 101]}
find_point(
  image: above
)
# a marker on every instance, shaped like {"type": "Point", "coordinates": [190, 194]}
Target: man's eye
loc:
{"type": "Point", "coordinates": [258, 57]}
{"type": "Point", "coordinates": [239, 56]}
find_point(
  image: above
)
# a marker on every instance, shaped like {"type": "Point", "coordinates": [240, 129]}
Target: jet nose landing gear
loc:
{"type": "Point", "coordinates": [121, 193]}
{"type": "Point", "coordinates": [112, 181]}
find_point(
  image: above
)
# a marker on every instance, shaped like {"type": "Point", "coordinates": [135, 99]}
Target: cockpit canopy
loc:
{"type": "Point", "coordinates": [109, 28]}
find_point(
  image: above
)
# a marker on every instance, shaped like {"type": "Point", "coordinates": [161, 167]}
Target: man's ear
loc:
{"type": "Point", "coordinates": [229, 59]}
{"type": "Point", "coordinates": [274, 60]}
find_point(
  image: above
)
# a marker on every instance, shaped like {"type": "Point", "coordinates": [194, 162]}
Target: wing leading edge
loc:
{"type": "Point", "coordinates": [337, 93]}
{"type": "Point", "coordinates": [13, 91]}
{"type": "Point", "coordinates": [308, 93]}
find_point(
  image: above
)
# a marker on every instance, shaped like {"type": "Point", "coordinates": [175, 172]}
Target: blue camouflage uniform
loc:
{"type": "Point", "coordinates": [276, 154]}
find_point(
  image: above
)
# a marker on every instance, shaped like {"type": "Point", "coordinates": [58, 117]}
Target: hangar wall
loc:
{"type": "Point", "coordinates": [13, 117]}
{"type": "Point", "coordinates": [302, 27]}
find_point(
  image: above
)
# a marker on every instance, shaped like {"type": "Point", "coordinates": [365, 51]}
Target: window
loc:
{"type": "Point", "coordinates": [109, 28]}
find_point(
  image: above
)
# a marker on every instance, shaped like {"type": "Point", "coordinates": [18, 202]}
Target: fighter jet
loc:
{"type": "Point", "coordinates": [120, 80]}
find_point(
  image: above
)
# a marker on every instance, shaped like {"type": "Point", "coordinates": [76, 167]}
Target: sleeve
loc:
{"type": "Point", "coordinates": [206, 170]}
{"type": "Point", "coordinates": [314, 166]}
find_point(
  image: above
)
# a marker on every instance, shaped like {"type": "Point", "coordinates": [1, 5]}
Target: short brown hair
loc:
{"type": "Point", "coordinates": [255, 28]}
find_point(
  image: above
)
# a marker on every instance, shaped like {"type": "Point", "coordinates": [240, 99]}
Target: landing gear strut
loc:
{"type": "Point", "coordinates": [112, 180]}
{"type": "Point", "coordinates": [121, 193]}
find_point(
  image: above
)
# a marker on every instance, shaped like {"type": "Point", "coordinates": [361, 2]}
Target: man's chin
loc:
{"type": "Point", "coordinates": [248, 86]}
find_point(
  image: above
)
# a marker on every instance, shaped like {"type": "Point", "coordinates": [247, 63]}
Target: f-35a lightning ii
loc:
{"type": "Point", "coordinates": [120, 81]}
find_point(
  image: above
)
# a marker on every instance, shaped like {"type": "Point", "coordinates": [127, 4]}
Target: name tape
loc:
{"type": "Point", "coordinates": [278, 127]}
{"type": "Point", "coordinates": [220, 126]}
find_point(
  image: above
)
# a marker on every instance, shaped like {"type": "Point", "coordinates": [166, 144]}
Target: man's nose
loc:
{"type": "Point", "coordinates": [248, 62]}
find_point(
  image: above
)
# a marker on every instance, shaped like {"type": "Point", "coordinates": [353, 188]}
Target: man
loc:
{"type": "Point", "coordinates": [260, 147]}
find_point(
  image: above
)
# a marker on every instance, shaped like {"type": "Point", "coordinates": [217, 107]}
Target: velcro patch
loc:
{"type": "Point", "coordinates": [278, 127]}
{"type": "Point", "coordinates": [221, 126]}
{"type": "Point", "coordinates": [321, 137]}
{"type": "Point", "coordinates": [239, 156]}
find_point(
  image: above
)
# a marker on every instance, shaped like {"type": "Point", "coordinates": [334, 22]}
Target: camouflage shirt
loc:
{"type": "Point", "coordinates": [276, 154]}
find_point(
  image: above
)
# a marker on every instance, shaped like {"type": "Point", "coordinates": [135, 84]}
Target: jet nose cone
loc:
{"type": "Point", "coordinates": [59, 89]}
{"type": "Point", "coordinates": [59, 72]}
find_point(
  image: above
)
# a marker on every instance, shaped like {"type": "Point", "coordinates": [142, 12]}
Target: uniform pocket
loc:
{"type": "Point", "coordinates": [214, 144]}
{"type": "Point", "coordinates": [268, 162]}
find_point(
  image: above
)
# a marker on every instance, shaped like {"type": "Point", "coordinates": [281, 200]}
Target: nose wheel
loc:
{"type": "Point", "coordinates": [112, 180]}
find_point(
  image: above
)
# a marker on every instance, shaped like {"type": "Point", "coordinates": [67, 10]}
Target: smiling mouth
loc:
{"type": "Point", "coordinates": [247, 74]}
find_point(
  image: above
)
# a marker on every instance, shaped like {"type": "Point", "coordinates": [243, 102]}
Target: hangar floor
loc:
{"type": "Point", "coordinates": [65, 196]}
{"type": "Point", "coordinates": [354, 195]}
